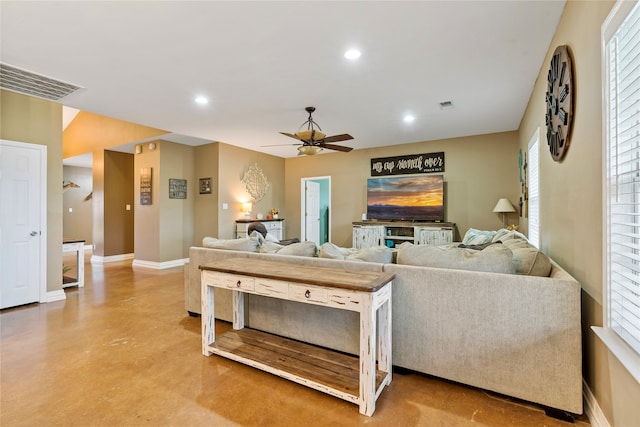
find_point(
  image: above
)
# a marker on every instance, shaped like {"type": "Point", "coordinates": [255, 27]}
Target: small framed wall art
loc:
{"type": "Point", "coordinates": [177, 188]}
{"type": "Point", "coordinates": [205, 185]}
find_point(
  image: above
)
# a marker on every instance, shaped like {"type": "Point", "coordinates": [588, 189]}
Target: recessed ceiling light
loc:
{"type": "Point", "coordinates": [201, 100]}
{"type": "Point", "coordinates": [409, 118]}
{"type": "Point", "coordinates": [352, 54]}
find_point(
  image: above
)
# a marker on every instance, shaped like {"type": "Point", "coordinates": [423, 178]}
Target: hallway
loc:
{"type": "Point", "coordinates": [122, 351]}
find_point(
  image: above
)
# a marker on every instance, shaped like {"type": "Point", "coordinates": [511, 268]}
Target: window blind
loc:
{"type": "Point", "coordinates": [534, 192]}
{"type": "Point", "coordinates": [622, 62]}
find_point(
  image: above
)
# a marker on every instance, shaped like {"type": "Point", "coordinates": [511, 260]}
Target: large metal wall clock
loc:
{"type": "Point", "coordinates": [559, 97]}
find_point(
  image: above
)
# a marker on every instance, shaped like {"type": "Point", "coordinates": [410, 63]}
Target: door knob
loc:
{"type": "Point", "coordinates": [34, 233]}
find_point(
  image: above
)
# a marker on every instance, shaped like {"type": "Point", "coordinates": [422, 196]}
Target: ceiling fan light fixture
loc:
{"type": "Point", "coordinates": [310, 135]}
{"type": "Point", "coordinates": [309, 150]}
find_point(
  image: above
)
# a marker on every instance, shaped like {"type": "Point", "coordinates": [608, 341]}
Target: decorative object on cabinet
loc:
{"type": "Point", "coordinates": [274, 213]}
{"type": "Point", "coordinates": [177, 188]}
{"type": "Point", "coordinates": [255, 183]}
{"type": "Point", "coordinates": [410, 164]}
{"type": "Point", "coordinates": [205, 185]}
{"type": "Point", "coordinates": [559, 98]}
{"type": "Point", "coordinates": [504, 206]}
{"type": "Point", "coordinates": [246, 208]}
{"type": "Point", "coordinates": [145, 186]}
{"type": "Point", "coordinates": [391, 234]}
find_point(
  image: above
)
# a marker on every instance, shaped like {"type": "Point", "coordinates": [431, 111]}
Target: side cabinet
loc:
{"type": "Point", "coordinates": [366, 236]}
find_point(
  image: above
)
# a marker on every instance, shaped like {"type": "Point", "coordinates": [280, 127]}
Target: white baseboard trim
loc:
{"type": "Point", "coordinates": [592, 409]}
{"type": "Point", "coordinates": [95, 259]}
{"type": "Point", "coordinates": [57, 295]}
{"type": "Point", "coordinates": [160, 265]}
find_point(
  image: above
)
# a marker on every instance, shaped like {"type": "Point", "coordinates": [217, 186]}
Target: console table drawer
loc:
{"type": "Point", "coordinates": [275, 288]}
{"type": "Point", "coordinates": [308, 293]}
{"type": "Point", "coordinates": [231, 281]}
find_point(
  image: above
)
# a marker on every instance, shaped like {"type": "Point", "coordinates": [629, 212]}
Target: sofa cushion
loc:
{"type": "Point", "coordinates": [248, 244]}
{"type": "Point", "coordinates": [299, 249]}
{"type": "Point", "coordinates": [331, 251]}
{"type": "Point", "coordinates": [531, 262]}
{"type": "Point", "coordinates": [478, 237]}
{"type": "Point", "coordinates": [380, 254]}
{"type": "Point", "coordinates": [268, 247]}
{"type": "Point", "coordinates": [495, 259]}
{"type": "Point", "coordinates": [516, 243]}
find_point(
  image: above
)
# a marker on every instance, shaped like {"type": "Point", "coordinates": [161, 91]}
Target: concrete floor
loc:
{"type": "Point", "coordinates": [122, 351]}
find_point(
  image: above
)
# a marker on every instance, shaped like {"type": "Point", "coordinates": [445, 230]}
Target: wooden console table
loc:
{"type": "Point", "coordinates": [356, 379]}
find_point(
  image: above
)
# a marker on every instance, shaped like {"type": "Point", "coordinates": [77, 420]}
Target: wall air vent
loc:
{"type": "Point", "coordinates": [28, 83]}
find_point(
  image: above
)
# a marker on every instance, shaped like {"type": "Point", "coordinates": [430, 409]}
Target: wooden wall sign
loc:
{"type": "Point", "coordinates": [145, 186]}
{"type": "Point", "coordinates": [411, 164]}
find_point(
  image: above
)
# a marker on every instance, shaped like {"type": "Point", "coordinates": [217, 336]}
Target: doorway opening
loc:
{"type": "Point", "coordinates": [315, 209]}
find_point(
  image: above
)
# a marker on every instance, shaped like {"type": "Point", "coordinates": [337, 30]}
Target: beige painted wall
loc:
{"type": "Point", "coordinates": [479, 170]}
{"type": "Point", "coordinates": [164, 229]}
{"type": "Point", "coordinates": [233, 164]}
{"type": "Point", "coordinates": [90, 132]}
{"type": "Point", "coordinates": [147, 217]}
{"type": "Point", "coordinates": [176, 215]}
{"type": "Point", "coordinates": [78, 224]}
{"type": "Point", "coordinates": [97, 202]}
{"type": "Point", "coordinates": [206, 206]}
{"type": "Point", "coordinates": [36, 121]}
{"type": "Point", "coordinates": [571, 201]}
{"type": "Point", "coordinates": [118, 192]}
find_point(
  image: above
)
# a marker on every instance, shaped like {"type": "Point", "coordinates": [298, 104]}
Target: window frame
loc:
{"type": "Point", "coordinates": [629, 358]}
{"type": "Point", "coordinates": [535, 140]}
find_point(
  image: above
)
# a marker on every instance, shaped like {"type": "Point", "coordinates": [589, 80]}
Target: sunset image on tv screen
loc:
{"type": "Point", "coordinates": [409, 198]}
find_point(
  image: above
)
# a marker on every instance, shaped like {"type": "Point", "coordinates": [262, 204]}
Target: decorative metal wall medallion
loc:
{"type": "Point", "coordinates": [255, 183]}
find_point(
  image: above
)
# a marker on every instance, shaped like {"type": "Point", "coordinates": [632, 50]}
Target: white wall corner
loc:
{"type": "Point", "coordinates": [57, 295]}
{"type": "Point", "coordinates": [592, 409]}
{"type": "Point", "coordinates": [95, 259]}
{"type": "Point", "coordinates": [159, 265]}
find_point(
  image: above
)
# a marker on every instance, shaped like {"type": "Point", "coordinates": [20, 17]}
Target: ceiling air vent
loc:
{"type": "Point", "coordinates": [28, 83]}
{"type": "Point", "coordinates": [445, 105]}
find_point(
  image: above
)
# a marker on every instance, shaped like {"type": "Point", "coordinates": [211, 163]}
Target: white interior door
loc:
{"type": "Point", "coordinates": [312, 212]}
{"type": "Point", "coordinates": [23, 259]}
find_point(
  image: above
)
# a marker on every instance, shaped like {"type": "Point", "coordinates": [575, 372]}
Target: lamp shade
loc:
{"type": "Point", "coordinates": [246, 207]}
{"type": "Point", "coordinates": [309, 150]}
{"type": "Point", "coordinates": [504, 205]}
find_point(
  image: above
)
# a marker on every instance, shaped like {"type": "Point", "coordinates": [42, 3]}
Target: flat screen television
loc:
{"type": "Point", "coordinates": [406, 198]}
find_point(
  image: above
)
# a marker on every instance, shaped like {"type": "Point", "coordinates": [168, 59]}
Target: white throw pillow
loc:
{"type": "Point", "coordinates": [477, 237]}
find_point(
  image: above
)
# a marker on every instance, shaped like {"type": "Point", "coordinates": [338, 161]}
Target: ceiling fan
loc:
{"type": "Point", "coordinates": [314, 140]}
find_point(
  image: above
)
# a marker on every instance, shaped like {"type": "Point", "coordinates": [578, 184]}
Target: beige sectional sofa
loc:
{"type": "Point", "coordinates": [514, 334]}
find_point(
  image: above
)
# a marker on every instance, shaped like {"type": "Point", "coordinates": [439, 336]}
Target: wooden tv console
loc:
{"type": "Point", "coordinates": [373, 233]}
{"type": "Point", "coordinates": [359, 380]}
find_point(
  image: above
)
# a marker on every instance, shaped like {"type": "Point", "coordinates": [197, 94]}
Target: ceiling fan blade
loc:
{"type": "Point", "coordinates": [337, 138]}
{"type": "Point", "coordinates": [290, 135]}
{"type": "Point", "coordinates": [336, 147]}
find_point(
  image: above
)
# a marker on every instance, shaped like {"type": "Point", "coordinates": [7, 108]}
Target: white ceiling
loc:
{"type": "Point", "coordinates": [260, 63]}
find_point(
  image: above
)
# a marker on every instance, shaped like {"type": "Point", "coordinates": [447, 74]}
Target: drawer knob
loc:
{"type": "Point", "coordinates": [238, 283]}
{"type": "Point", "coordinates": [307, 294]}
